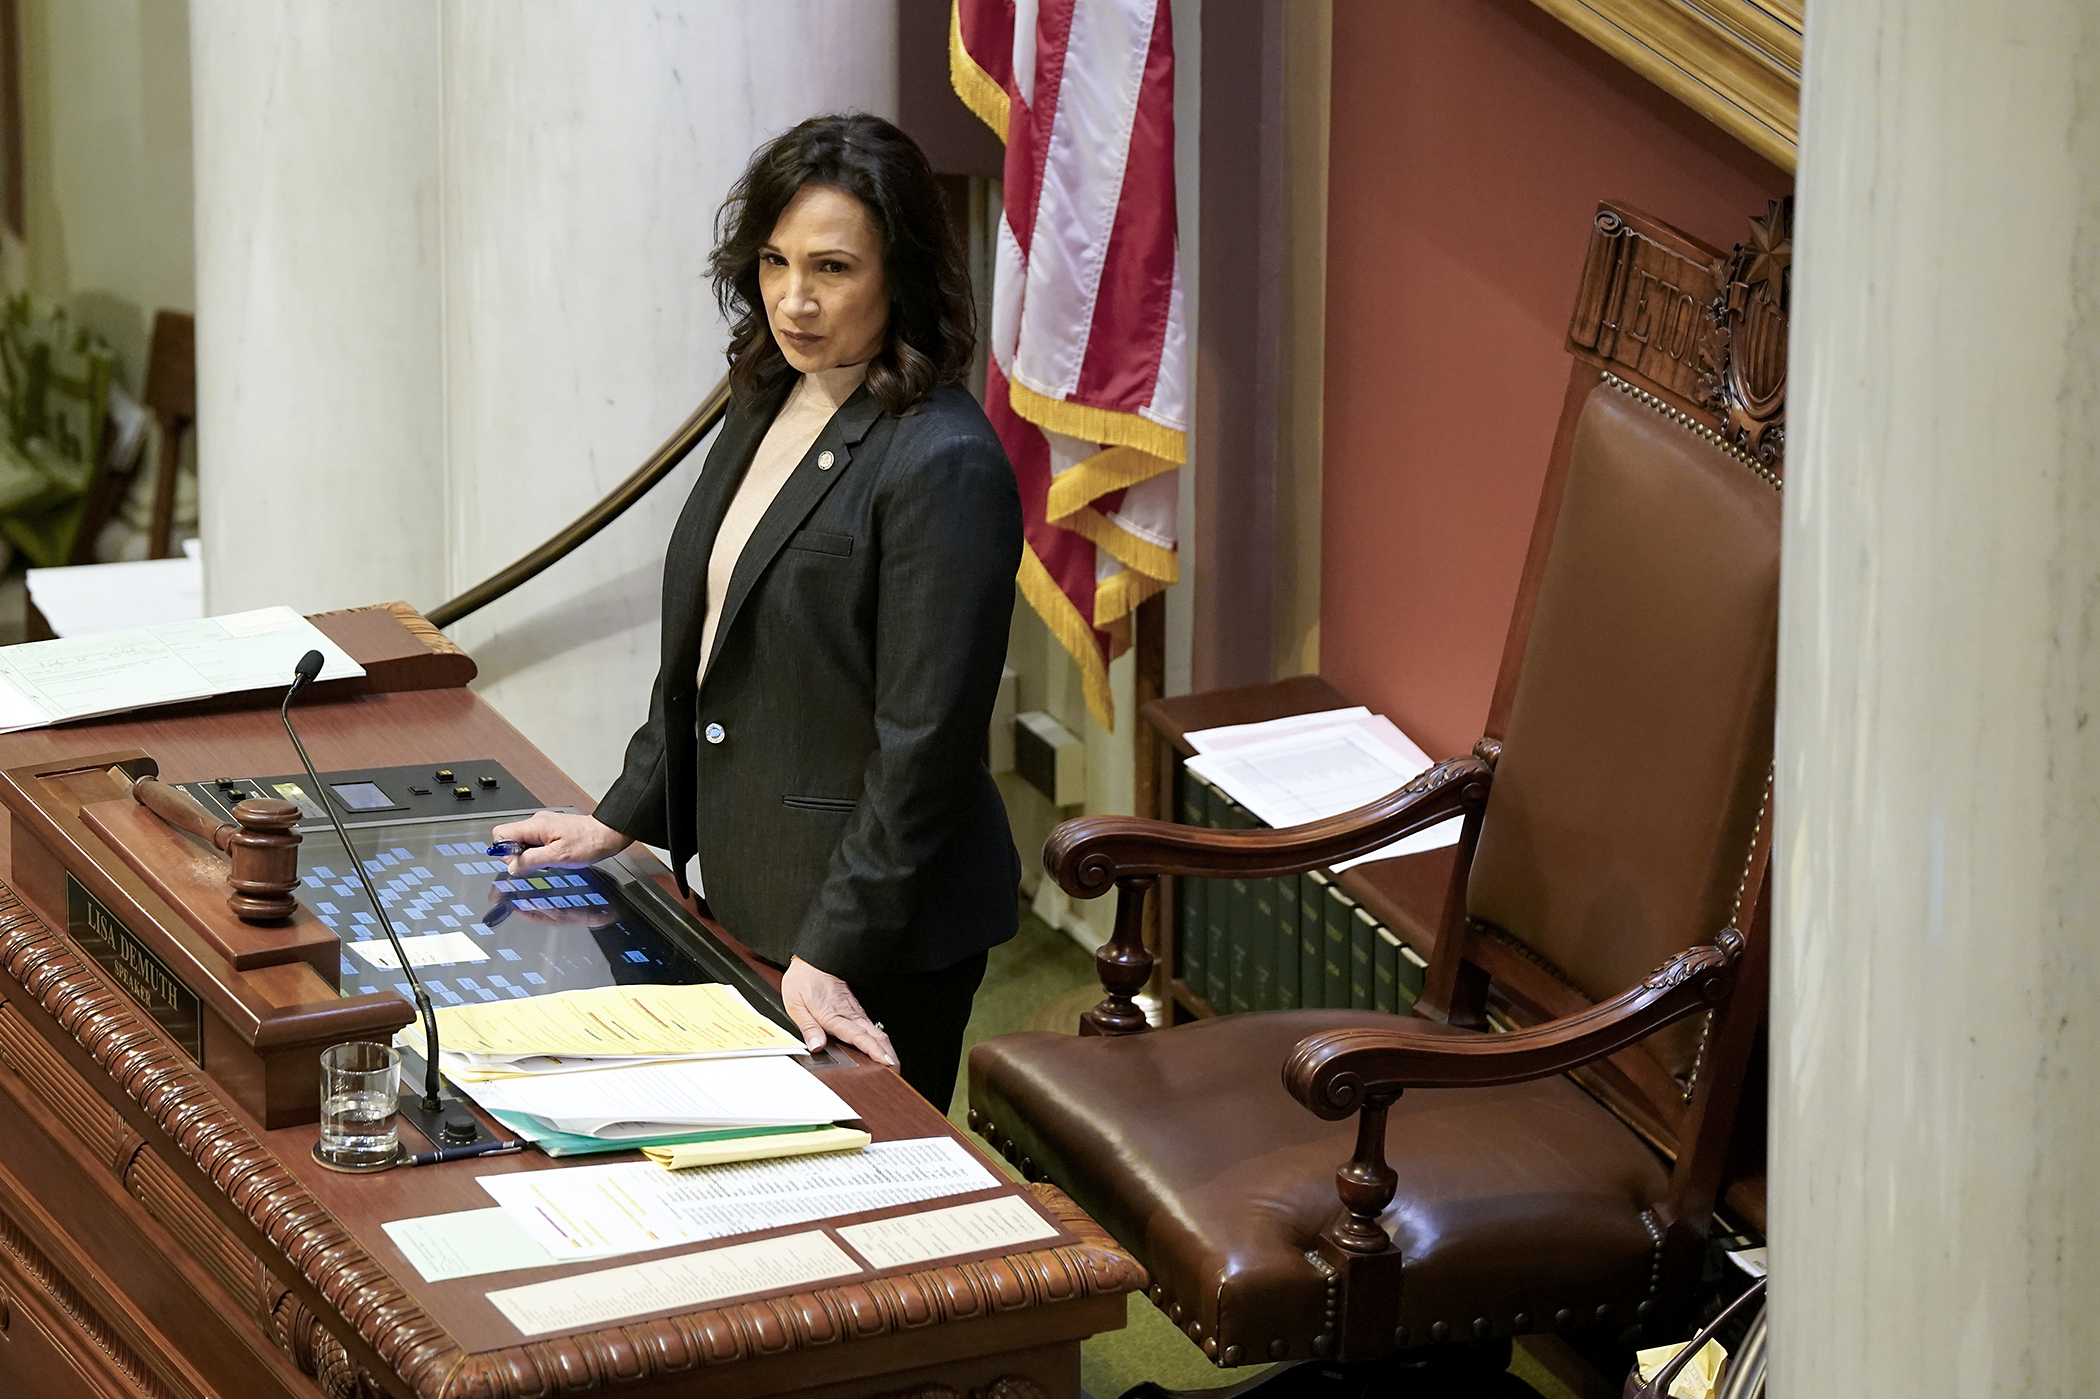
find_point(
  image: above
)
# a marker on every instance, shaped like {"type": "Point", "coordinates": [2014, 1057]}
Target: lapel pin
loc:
{"type": "Point", "coordinates": [824, 460]}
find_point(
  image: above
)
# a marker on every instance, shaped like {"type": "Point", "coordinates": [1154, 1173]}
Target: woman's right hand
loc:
{"type": "Point", "coordinates": [560, 839]}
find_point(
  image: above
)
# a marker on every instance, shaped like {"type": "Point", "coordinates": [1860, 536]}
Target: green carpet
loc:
{"type": "Point", "coordinates": [1022, 977]}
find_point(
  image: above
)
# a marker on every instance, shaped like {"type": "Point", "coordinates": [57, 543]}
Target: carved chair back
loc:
{"type": "Point", "coordinates": [1631, 733]}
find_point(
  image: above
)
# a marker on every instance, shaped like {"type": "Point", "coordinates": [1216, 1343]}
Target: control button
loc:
{"type": "Point", "coordinates": [488, 784]}
{"type": "Point", "coordinates": [225, 783]}
{"type": "Point", "coordinates": [465, 794]}
{"type": "Point", "coordinates": [444, 774]}
{"type": "Point", "coordinates": [715, 733]}
{"type": "Point", "coordinates": [419, 791]}
{"type": "Point", "coordinates": [824, 460]}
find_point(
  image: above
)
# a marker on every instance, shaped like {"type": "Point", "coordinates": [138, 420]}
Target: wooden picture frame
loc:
{"type": "Point", "coordinates": [1735, 62]}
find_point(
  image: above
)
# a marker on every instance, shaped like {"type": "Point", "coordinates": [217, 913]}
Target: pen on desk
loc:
{"type": "Point", "coordinates": [461, 1153]}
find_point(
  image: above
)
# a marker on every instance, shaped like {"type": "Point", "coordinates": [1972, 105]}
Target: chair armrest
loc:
{"type": "Point", "coordinates": [1334, 1071]}
{"type": "Point", "coordinates": [1362, 1072]}
{"type": "Point", "coordinates": [1089, 855]}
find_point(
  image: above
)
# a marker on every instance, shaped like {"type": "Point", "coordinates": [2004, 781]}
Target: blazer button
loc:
{"type": "Point", "coordinates": [716, 733]}
{"type": "Point", "coordinates": [824, 460]}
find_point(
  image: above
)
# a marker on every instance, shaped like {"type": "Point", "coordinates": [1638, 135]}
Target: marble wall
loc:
{"type": "Point", "coordinates": [451, 290]}
{"type": "Point", "coordinates": [1936, 993]}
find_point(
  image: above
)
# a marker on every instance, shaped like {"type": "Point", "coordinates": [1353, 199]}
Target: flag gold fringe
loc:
{"type": "Point", "coordinates": [1061, 615]}
{"type": "Point", "coordinates": [1104, 425]}
{"type": "Point", "coordinates": [1117, 596]}
{"type": "Point", "coordinates": [979, 91]}
{"type": "Point", "coordinates": [1115, 469]}
{"type": "Point", "coordinates": [1130, 550]}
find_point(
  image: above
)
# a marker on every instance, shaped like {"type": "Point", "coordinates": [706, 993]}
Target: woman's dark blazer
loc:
{"type": "Point", "coordinates": [842, 809]}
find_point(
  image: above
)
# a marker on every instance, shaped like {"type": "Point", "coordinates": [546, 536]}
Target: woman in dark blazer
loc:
{"type": "Point", "coordinates": [836, 601]}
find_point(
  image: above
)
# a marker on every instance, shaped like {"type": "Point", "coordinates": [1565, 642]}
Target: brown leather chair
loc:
{"type": "Point", "coordinates": [1606, 901]}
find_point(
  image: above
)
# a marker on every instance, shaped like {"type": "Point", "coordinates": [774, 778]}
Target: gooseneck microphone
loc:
{"type": "Point", "coordinates": [449, 1127]}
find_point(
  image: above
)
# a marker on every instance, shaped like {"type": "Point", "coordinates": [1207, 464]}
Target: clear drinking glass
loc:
{"type": "Point", "coordinates": [360, 1105]}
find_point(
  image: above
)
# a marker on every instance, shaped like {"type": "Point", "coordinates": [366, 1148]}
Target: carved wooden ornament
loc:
{"type": "Point", "coordinates": [1674, 316]}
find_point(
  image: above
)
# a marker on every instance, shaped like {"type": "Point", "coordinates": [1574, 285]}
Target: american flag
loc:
{"type": "Point", "coordinates": [1087, 383]}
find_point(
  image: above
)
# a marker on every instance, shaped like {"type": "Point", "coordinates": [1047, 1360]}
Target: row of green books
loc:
{"type": "Point", "coordinates": [1282, 943]}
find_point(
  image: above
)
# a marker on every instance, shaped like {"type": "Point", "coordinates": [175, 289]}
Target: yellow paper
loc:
{"type": "Point", "coordinates": [1699, 1379]}
{"type": "Point", "coordinates": [685, 1155]}
{"type": "Point", "coordinates": [614, 1021]}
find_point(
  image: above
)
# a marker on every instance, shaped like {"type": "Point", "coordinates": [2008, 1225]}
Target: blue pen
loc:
{"type": "Point", "coordinates": [509, 849]}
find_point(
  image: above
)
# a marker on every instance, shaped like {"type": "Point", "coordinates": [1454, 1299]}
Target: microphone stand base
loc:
{"type": "Point", "coordinates": [454, 1124]}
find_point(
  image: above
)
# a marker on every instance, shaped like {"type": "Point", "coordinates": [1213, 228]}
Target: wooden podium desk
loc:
{"type": "Point", "coordinates": [159, 1241]}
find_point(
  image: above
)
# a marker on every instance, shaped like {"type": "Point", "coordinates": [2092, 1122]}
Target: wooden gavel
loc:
{"type": "Point", "coordinates": [259, 842]}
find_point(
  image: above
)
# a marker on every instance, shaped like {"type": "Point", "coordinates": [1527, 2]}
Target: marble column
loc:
{"type": "Point", "coordinates": [320, 402]}
{"type": "Point", "coordinates": [560, 163]}
{"type": "Point", "coordinates": [1936, 993]}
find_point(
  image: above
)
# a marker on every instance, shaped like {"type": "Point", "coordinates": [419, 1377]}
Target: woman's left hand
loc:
{"type": "Point", "coordinates": [822, 1005]}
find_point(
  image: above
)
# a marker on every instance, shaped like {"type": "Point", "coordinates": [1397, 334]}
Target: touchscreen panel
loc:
{"type": "Point", "coordinates": [472, 931]}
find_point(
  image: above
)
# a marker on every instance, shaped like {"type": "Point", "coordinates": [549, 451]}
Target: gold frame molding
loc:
{"type": "Point", "coordinates": [1735, 62]}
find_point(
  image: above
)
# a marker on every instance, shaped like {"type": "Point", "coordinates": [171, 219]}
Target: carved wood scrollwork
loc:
{"type": "Point", "coordinates": [1703, 329]}
{"type": "Point", "coordinates": [1746, 384]}
{"type": "Point", "coordinates": [313, 1347]}
{"type": "Point", "coordinates": [89, 1324]}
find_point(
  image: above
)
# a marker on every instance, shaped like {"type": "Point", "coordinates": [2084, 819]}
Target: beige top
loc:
{"type": "Point", "coordinates": [795, 429]}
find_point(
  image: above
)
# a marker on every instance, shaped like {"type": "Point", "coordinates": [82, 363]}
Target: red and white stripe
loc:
{"type": "Point", "coordinates": [1089, 366]}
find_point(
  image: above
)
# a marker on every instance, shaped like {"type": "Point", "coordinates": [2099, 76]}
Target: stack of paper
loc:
{"type": "Point", "coordinates": [603, 1027]}
{"type": "Point", "coordinates": [83, 599]}
{"type": "Point", "coordinates": [50, 682]}
{"type": "Point", "coordinates": [600, 1211]}
{"type": "Point", "coordinates": [655, 1100]}
{"type": "Point", "coordinates": [1307, 767]}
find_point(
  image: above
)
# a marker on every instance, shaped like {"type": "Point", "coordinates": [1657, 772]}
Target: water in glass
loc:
{"type": "Point", "coordinates": [360, 1104]}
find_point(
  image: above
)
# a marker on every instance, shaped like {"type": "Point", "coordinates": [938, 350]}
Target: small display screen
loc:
{"type": "Point", "coordinates": [361, 796]}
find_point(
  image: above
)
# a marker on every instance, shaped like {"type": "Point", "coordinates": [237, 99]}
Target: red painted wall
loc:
{"type": "Point", "coordinates": [1471, 142]}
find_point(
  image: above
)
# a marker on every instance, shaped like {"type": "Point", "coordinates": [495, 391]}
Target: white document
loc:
{"type": "Point", "coordinates": [665, 1284]}
{"type": "Point", "coordinates": [633, 1206]}
{"type": "Point", "coordinates": [1324, 771]}
{"type": "Point", "coordinates": [959, 1229]}
{"type": "Point", "coordinates": [650, 1100]}
{"type": "Point", "coordinates": [434, 950]}
{"type": "Point", "coordinates": [87, 599]}
{"type": "Point", "coordinates": [467, 1243]}
{"type": "Point", "coordinates": [48, 682]}
{"type": "Point", "coordinates": [1240, 735]}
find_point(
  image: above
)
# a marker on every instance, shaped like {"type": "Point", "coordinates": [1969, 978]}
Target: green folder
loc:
{"type": "Point", "coordinates": [1385, 969]}
{"type": "Point", "coordinates": [1334, 955]}
{"type": "Point", "coordinates": [1244, 923]}
{"type": "Point", "coordinates": [1217, 916]}
{"type": "Point", "coordinates": [1191, 929]}
{"type": "Point", "coordinates": [569, 1144]}
{"type": "Point", "coordinates": [1363, 958]}
{"type": "Point", "coordinates": [1312, 938]}
{"type": "Point", "coordinates": [1411, 971]}
{"type": "Point", "coordinates": [1285, 947]}
{"type": "Point", "coordinates": [1260, 938]}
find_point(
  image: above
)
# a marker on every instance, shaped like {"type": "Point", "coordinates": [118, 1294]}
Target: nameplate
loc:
{"type": "Point", "coordinates": [141, 975]}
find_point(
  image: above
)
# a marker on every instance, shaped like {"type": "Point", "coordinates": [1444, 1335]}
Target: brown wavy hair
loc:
{"type": "Point", "coordinates": [932, 330]}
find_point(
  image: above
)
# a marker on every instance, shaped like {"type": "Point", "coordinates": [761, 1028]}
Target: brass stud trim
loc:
{"type": "Point", "coordinates": [1696, 428]}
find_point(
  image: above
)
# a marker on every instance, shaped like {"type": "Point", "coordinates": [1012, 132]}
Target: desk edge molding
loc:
{"type": "Point", "coordinates": [304, 1237]}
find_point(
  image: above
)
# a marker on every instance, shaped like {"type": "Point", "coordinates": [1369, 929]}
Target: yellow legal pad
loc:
{"type": "Point", "coordinates": [682, 1156]}
{"type": "Point", "coordinates": [615, 1022]}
